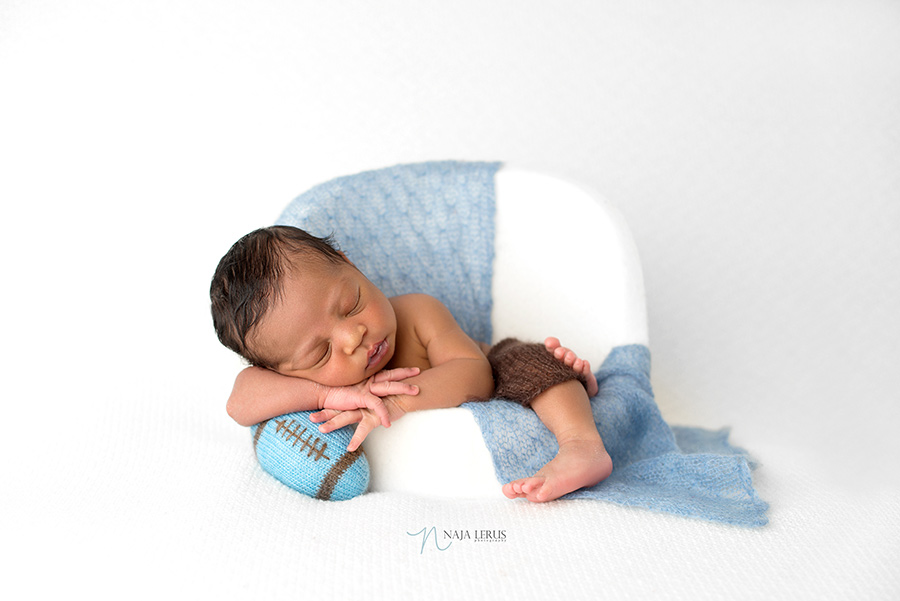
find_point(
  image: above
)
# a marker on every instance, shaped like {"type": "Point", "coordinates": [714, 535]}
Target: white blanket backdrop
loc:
{"type": "Point", "coordinates": [751, 146]}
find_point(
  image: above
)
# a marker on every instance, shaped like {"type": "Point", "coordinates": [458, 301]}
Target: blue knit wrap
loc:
{"type": "Point", "coordinates": [414, 228]}
{"type": "Point", "coordinates": [429, 228]}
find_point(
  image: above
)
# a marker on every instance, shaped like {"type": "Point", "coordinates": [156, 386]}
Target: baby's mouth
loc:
{"type": "Point", "coordinates": [377, 353]}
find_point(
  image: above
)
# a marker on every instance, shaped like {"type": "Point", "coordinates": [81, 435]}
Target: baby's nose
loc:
{"type": "Point", "coordinates": [354, 337]}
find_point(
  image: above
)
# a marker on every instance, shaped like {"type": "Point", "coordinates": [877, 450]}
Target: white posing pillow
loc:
{"type": "Point", "coordinates": [565, 265]}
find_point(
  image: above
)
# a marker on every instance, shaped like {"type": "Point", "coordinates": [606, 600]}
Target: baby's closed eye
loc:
{"type": "Point", "coordinates": [357, 307]}
{"type": "Point", "coordinates": [324, 356]}
{"type": "Point", "coordinates": [351, 310]}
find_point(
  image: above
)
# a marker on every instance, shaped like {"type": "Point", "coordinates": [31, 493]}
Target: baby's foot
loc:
{"type": "Point", "coordinates": [581, 366]}
{"type": "Point", "coordinates": [578, 463]}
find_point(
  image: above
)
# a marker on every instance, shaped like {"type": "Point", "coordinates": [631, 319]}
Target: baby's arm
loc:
{"type": "Point", "coordinates": [459, 371]}
{"type": "Point", "coordinates": [261, 394]}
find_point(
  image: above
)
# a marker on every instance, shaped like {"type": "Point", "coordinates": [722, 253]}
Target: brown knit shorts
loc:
{"type": "Point", "coordinates": [523, 370]}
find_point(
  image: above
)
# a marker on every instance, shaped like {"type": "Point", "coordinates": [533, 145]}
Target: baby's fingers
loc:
{"type": "Point", "coordinates": [362, 430]}
{"type": "Point", "coordinates": [376, 405]}
{"type": "Point", "coordinates": [343, 418]}
{"type": "Point", "coordinates": [393, 375]}
{"type": "Point", "coordinates": [389, 388]}
{"type": "Point", "coordinates": [323, 416]}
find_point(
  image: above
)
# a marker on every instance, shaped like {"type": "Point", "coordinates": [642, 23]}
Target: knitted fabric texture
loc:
{"type": "Point", "coordinates": [523, 370]}
{"type": "Point", "coordinates": [430, 228]}
{"type": "Point", "coordinates": [425, 227]}
{"type": "Point", "coordinates": [686, 471]}
{"type": "Point", "coordinates": [293, 451]}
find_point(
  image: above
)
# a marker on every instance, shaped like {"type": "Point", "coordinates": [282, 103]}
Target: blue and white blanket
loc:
{"type": "Point", "coordinates": [429, 228]}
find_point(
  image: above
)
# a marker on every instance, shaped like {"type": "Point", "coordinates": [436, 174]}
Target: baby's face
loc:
{"type": "Point", "coordinates": [331, 325]}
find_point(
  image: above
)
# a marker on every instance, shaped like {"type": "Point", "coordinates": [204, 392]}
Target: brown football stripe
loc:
{"type": "Point", "coordinates": [259, 430]}
{"type": "Point", "coordinates": [335, 473]}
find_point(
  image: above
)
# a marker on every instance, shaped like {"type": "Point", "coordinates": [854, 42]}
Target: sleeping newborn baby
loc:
{"type": "Point", "coordinates": [321, 337]}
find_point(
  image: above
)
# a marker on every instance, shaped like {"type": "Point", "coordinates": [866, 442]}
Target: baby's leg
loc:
{"type": "Point", "coordinates": [582, 459]}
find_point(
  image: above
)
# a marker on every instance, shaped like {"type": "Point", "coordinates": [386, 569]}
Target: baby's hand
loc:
{"type": "Point", "coordinates": [367, 420]}
{"type": "Point", "coordinates": [362, 403]}
{"type": "Point", "coordinates": [367, 394]}
{"type": "Point", "coordinates": [568, 356]}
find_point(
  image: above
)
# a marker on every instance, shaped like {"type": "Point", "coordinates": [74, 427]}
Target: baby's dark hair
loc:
{"type": "Point", "coordinates": [248, 279]}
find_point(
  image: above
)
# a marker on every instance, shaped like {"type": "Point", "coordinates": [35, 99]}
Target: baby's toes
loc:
{"type": "Point", "coordinates": [532, 484]}
{"type": "Point", "coordinates": [585, 370]}
{"type": "Point", "coordinates": [593, 387]}
{"type": "Point", "coordinates": [552, 343]}
{"type": "Point", "coordinates": [541, 494]}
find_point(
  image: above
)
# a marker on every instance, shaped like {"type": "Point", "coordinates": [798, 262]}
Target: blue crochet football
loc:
{"type": "Point", "coordinates": [291, 449]}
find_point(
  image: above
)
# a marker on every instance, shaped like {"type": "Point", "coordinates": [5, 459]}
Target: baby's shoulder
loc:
{"type": "Point", "coordinates": [415, 301]}
{"type": "Point", "coordinates": [414, 314]}
{"type": "Point", "coordinates": [420, 311]}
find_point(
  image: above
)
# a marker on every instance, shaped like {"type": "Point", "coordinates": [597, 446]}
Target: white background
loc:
{"type": "Point", "coordinates": [753, 147]}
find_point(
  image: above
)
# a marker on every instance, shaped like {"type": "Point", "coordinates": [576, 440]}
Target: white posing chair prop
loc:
{"type": "Point", "coordinates": [523, 255]}
{"type": "Point", "coordinates": [555, 246]}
